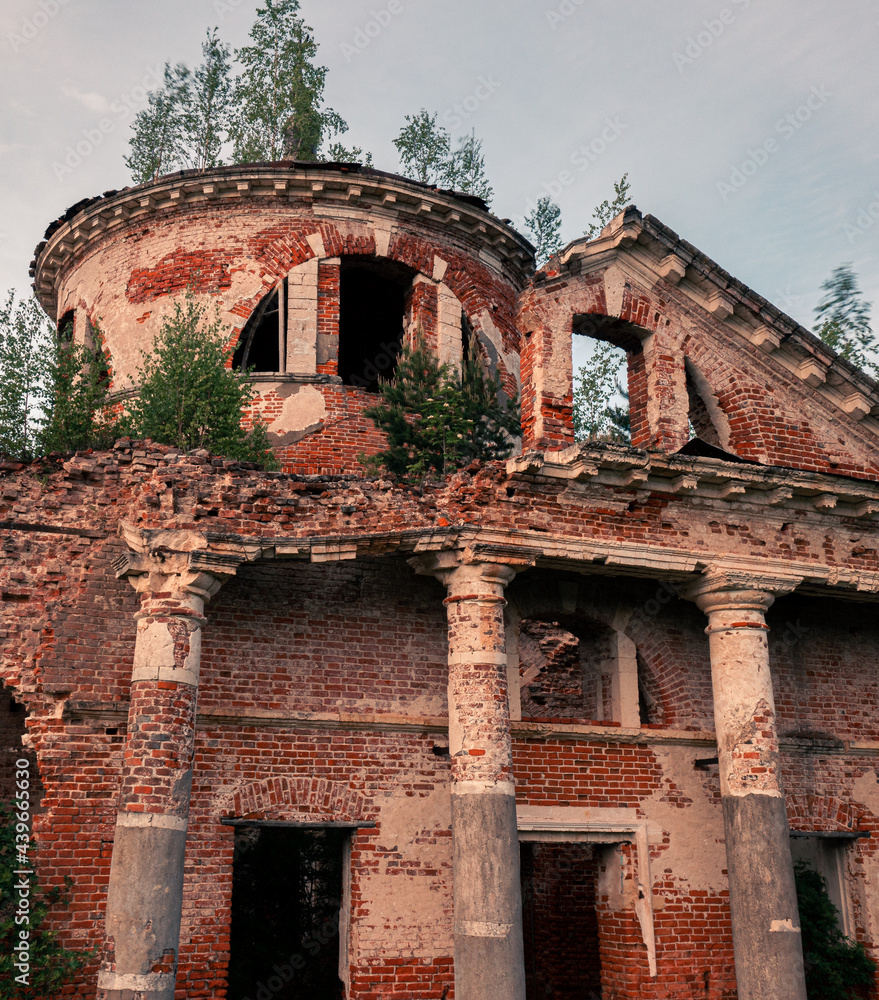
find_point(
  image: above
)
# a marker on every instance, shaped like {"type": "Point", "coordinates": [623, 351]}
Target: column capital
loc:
{"type": "Point", "coordinates": [173, 562]}
{"type": "Point", "coordinates": [474, 565]}
{"type": "Point", "coordinates": [730, 589]}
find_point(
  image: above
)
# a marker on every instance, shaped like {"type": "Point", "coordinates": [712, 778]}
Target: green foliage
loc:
{"type": "Point", "coordinates": [835, 965]}
{"type": "Point", "coordinates": [437, 419]}
{"type": "Point", "coordinates": [337, 153]}
{"type": "Point", "coordinates": [465, 168]}
{"type": "Point", "coordinates": [608, 210]}
{"type": "Point", "coordinates": [51, 966]}
{"type": "Point", "coordinates": [205, 119]}
{"type": "Point", "coordinates": [53, 393]}
{"type": "Point", "coordinates": [843, 320]}
{"type": "Point", "coordinates": [544, 225]}
{"type": "Point", "coordinates": [77, 407]}
{"type": "Point", "coordinates": [157, 145]}
{"type": "Point", "coordinates": [424, 147]}
{"type": "Point", "coordinates": [26, 337]}
{"type": "Point", "coordinates": [426, 155]}
{"type": "Point", "coordinates": [596, 383]}
{"type": "Point", "coordinates": [278, 96]}
{"type": "Point", "coordinates": [188, 396]}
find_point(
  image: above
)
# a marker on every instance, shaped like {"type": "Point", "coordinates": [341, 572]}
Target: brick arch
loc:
{"type": "Point", "coordinates": [297, 800]}
{"type": "Point", "coordinates": [823, 813]}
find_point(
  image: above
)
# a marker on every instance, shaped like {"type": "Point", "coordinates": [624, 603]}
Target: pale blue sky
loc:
{"type": "Point", "coordinates": [748, 126]}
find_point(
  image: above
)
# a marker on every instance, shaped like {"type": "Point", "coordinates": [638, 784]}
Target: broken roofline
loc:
{"type": "Point", "coordinates": [675, 259]}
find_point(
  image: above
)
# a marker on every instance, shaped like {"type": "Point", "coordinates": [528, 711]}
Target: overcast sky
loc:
{"type": "Point", "coordinates": [748, 126]}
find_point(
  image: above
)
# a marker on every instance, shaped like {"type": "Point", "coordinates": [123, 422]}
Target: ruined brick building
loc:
{"type": "Point", "coordinates": [483, 716]}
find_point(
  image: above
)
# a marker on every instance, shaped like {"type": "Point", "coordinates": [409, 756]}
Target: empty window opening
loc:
{"type": "Point", "coordinates": [65, 325]}
{"type": "Point", "coordinates": [372, 305]}
{"type": "Point", "coordinates": [566, 670]}
{"type": "Point", "coordinates": [602, 354]}
{"type": "Point", "coordinates": [649, 698]}
{"type": "Point", "coordinates": [559, 921]}
{"type": "Point", "coordinates": [262, 344]}
{"type": "Point", "coordinates": [286, 913]}
{"type": "Point", "coordinates": [826, 854]}
{"type": "Point", "coordinates": [708, 422]}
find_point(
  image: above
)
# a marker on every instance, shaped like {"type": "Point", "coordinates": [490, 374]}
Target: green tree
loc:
{"type": "Point", "coordinates": [426, 155]}
{"type": "Point", "coordinates": [465, 169]}
{"type": "Point", "coordinates": [157, 145]}
{"type": "Point", "coordinates": [596, 383]}
{"type": "Point", "coordinates": [424, 147]}
{"type": "Point", "coordinates": [608, 210]}
{"type": "Point", "coordinates": [51, 966]}
{"type": "Point", "coordinates": [438, 419]}
{"type": "Point", "coordinates": [835, 965]}
{"type": "Point", "coordinates": [26, 337]}
{"type": "Point", "coordinates": [337, 153]}
{"type": "Point", "coordinates": [77, 410]}
{"type": "Point", "coordinates": [206, 106]}
{"type": "Point", "coordinates": [843, 319]}
{"type": "Point", "coordinates": [188, 396]}
{"type": "Point", "coordinates": [544, 225]}
{"type": "Point", "coordinates": [278, 97]}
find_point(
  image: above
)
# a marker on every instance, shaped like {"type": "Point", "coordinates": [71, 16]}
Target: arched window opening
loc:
{"type": "Point", "coordinates": [372, 306]}
{"type": "Point", "coordinates": [709, 426]}
{"type": "Point", "coordinates": [602, 363]}
{"type": "Point", "coordinates": [65, 326]}
{"type": "Point", "coordinates": [262, 344]}
{"type": "Point", "coordinates": [579, 670]}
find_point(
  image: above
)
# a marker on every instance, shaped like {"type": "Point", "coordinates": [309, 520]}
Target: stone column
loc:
{"type": "Point", "coordinates": [145, 894]}
{"type": "Point", "coordinates": [763, 901]}
{"type": "Point", "coordinates": [489, 957]}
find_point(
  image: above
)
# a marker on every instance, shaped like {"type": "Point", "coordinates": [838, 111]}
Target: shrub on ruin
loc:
{"type": "Point", "coordinates": [50, 964]}
{"type": "Point", "coordinates": [836, 967]}
{"type": "Point", "coordinates": [53, 392]}
{"type": "Point", "coordinates": [188, 395]}
{"type": "Point", "coordinates": [438, 419]}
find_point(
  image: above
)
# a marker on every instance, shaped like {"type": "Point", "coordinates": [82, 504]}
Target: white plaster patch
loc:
{"type": "Point", "coordinates": [510, 360]}
{"type": "Point", "coordinates": [482, 928]}
{"type": "Point", "coordinates": [440, 267]}
{"type": "Point", "coordinates": [382, 236]}
{"type": "Point", "coordinates": [301, 409]}
{"type": "Point", "coordinates": [695, 851]}
{"type": "Point", "coordinates": [783, 925]}
{"type": "Point", "coordinates": [614, 289]}
{"type": "Point", "coordinates": [154, 655]}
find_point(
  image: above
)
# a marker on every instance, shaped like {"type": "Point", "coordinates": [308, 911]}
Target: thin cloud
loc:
{"type": "Point", "coordinates": [94, 102]}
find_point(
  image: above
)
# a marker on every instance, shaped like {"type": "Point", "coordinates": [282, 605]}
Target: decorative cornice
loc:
{"type": "Point", "coordinates": [332, 188]}
{"type": "Point", "coordinates": [650, 252]}
{"type": "Point", "coordinates": [766, 488]}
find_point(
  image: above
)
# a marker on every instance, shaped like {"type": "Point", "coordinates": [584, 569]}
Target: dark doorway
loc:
{"type": "Point", "coordinates": [372, 303]}
{"type": "Point", "coordinates": [286, 907]}
{"type": "Point", "coordinates": [559, 921]}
